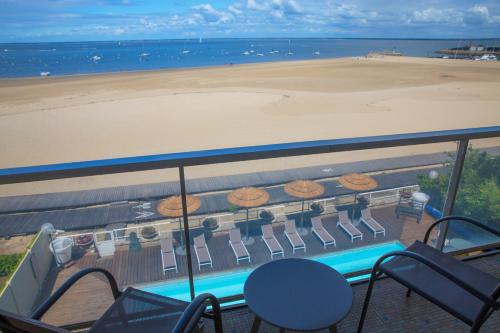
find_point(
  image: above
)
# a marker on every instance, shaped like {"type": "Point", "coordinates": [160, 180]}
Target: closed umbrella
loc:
{"type": "Point", "coordinates": [304, 189]}
{"type": "Point", "coordinates": [172, 207]}
{"type": "Point", "coordinates": [357, 182]}
{"type": "Point", "coordinates": [248, 197]}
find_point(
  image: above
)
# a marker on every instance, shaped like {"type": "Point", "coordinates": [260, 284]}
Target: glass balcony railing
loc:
{"type": "Point", "coordinates": [125, 214]}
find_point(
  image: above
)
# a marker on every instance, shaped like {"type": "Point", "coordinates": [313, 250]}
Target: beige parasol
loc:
{"type": "Point", "coordinates": [248, 197]}
{"type": "Point", "coordinates": [304, 189]}
{"type": "Point", "coordinates": [357, 182]}
{"type": "Point", "coordinates": [172, 207]}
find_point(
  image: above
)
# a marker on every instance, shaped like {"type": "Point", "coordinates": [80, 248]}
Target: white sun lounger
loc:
{"type": "Point", "coordinates": [202, 253]}
{"type": "Point", "coordinates": [168, 260]}
{"type": "Point", "coordinates": [371, 223]}
{"type": "Point", "coordinates": [239, 249]}
{"type": "Point", "coordinates": [293, 236]}
{"type": "Point", "coordinates": [319, 230]}
{"type": "Point", "coordinates": [271, 242]}
{"type": "Point", "coordinates": [350, 229]}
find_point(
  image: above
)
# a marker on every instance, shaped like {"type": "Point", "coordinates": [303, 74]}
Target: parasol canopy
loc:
{"type": "Point", "coordinates": [358, 182]}
{"type": "Point", "coordinates": [248, 197]}
{"type": "Point", "coordinates": [304, 189]}
{"type": "Point", "coordinates": [172, 206]}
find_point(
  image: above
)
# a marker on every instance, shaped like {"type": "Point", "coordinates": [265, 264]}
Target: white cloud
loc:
{"type": "Point", "coordinates": [480, 14]}
{"type": "Point", "coordinates": [436, 15]}
{"type": "Point", "coordinates": [234, 10]}
{"type": "Point", "coordinates": [210, 14]}
{"type": "Point", "coordinates": [254, 5]}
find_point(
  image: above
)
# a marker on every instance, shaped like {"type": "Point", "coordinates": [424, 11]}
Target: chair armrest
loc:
{"type": "Point", "coordinates": [461, 218]}
{"type": "Point", "coordinates": [45, 306]}
{"type": "Point", "coordinates": [187, 320]}
{"type": "Point", "coordinates": [439, 269]}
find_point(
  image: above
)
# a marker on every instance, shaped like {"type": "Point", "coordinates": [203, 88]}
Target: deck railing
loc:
{"type": "Point", "coordinates": [207, 157]}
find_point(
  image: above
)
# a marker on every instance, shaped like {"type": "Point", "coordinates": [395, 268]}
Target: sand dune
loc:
{"type": "Point", "coordinates": [51, 120]}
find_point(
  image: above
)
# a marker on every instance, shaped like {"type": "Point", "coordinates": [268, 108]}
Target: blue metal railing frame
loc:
{"type": "Point", "coordinates": [226, 155]}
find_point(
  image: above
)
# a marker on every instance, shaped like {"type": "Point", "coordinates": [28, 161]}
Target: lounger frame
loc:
{"type": "Point", "coordinates": [342, 225]}
{"type": "Point", "coordinates": [238, 259]}
{"type": "Point", "coordinates": [280, 252]}
{"type": "Point", "coordinates": [325, 243]}
{"type": "Point", "coordinates": [163, 261]}
{"type": "Point", "coordinates": [198, 257]}
{"type": "Point", "coordinates": [375, 232]}
{"type": "Point", "coordinates": [298, 247]}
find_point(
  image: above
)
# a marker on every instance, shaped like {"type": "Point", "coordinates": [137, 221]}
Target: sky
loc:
{"type": "Point", "coordinates": [79, 20]}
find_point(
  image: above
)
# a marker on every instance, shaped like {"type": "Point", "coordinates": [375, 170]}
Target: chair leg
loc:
{"type": "Point", "coordinates": [256, 325]}
{"type": "Point", "coordinates": [408, 292]}
{"type": "Point", "coordinates": [367, 301]}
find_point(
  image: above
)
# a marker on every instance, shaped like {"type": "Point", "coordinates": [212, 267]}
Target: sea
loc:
{"type": "Point", "coordinates": [78, 58]}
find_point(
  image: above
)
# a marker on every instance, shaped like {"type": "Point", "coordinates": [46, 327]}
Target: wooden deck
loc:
{"type": "Point", "coordinates": [145, 266]}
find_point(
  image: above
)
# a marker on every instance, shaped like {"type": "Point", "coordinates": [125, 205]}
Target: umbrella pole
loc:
{"type": "Point", "coordinates": [246, 234]}
{"type": "Point", "coordinates": [181, 250]}
{"type": "Point", "coordinates": [354, 206]}
{"type": "Point", "coordinates": [302, 230]}
{"type": "Point", "coordinates": [248, 240]}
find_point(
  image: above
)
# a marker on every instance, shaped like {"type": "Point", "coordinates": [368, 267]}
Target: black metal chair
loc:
{"type": "Point", "coordinates": [408, 207]}
{"type": "Point", "coordinates": [133, 311]}
{"type": "Point", "coordinates": [462, 290]}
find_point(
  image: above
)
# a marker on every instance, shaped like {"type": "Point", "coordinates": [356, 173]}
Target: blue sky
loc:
{"type": "Point", "coordinates": [76, 20]}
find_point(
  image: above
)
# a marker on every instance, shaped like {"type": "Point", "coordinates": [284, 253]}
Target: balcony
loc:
{"type": "Point", "coordinates": [101, 222]}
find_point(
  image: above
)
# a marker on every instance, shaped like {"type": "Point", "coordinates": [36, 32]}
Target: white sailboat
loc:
{"type": "Point", "coordinates": [289, 48]}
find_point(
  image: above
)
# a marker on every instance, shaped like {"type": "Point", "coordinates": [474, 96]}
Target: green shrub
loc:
{"type": "Point", "coordinates": [8, 263]}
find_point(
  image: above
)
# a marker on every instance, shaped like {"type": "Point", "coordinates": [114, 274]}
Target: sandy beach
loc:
{"type": "Point", "coordinates": [61, 119]}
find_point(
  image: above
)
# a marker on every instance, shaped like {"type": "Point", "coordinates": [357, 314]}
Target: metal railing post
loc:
{"type": "Point", "coordinates": [453, 186]}
{"type": "Point", "coordinates": [187, 239]}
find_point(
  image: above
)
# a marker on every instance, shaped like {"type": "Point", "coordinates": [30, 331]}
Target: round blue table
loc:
{"type": "Point", "coordinates": [297, 294]}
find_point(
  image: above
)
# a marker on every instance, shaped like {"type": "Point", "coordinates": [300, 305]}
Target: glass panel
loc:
{"type": "Point", "coordinates": [222, 268]}
{"type": "Point", "coordinates": [478, 196]}
{"type": "Point", "coordinates": [110, 222]}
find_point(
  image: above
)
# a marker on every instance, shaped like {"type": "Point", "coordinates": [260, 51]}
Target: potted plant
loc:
{"type": "Point", "coordinates": [210, 223]}
{"type": "Point", "coordinates": [316, 208]}
{"type": "Point", "coordinates": [363, 201]}
{"type": "Point", "coordinates": [266, 215]}
{"type": "Point", "coordinates": [84, 240]}
{"type": "Point", "coordinates": [149, 232]}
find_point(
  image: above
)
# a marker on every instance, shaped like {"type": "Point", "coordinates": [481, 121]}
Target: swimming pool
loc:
{"type": "Point", "coordinates": [230, 283]}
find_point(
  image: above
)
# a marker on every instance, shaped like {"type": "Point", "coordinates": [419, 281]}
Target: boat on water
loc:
{"type": "Point", "coordinates": [246, 53]}
{"type": "Point", "coordinates": [44, 73]}
{"type": "Point", "coordinates": [96, 58]}
{"type": "Point", "coordinates": [488, 57]}
{"type": "Point", "coordinates": [186, 52]}
{"type": "Point", "coordinates": [144, 54]}
{"type": "Point", "coordinates": [317, 53]}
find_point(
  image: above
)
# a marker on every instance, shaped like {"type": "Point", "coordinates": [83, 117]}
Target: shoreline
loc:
{"type": "Point", "coordinates": [177, 69]}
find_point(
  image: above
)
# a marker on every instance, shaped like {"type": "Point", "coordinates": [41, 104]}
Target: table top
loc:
{"type": "Point", "coordinates": [139, 311]}
{"type": "Point", "coordinates": [298, 294]}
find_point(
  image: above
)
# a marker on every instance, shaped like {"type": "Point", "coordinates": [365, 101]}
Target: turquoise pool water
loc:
{"type": "Point", "coordinates": [230, 283]}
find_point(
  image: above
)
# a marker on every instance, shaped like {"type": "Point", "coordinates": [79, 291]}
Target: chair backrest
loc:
{"type": "Point", "coordinates": [167, 245]}
{"type": "Point", "coordinates": [344, 217]}
{"type": "Point", "coordinates": [199, 241]}
{"type": "Point", "coordinates": [290, 227]}
{"type": "Point", "coordinates": [267, 231]}
{"type": "Point", "coordinates": [316, 223]}
{"type": "Point", "coordinates": [235, 235]}
{"type": "Point", "coordinates": [11, 322]}
{"type": "Point", "coordinates": [366, 213]}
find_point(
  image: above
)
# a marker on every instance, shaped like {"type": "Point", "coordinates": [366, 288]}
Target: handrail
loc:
{"type": "Point", "coordinates": [186, 320]}
{"type": "Point", "coordinates": [45, 306]}
{"type": "Point", "coordinates": [225, 155]}
{"type": "Point", "coordinates": [459, 218]}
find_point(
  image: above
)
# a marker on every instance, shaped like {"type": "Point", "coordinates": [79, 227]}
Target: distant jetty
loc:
{"type": "Point", "coordinates": [471, 51]}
